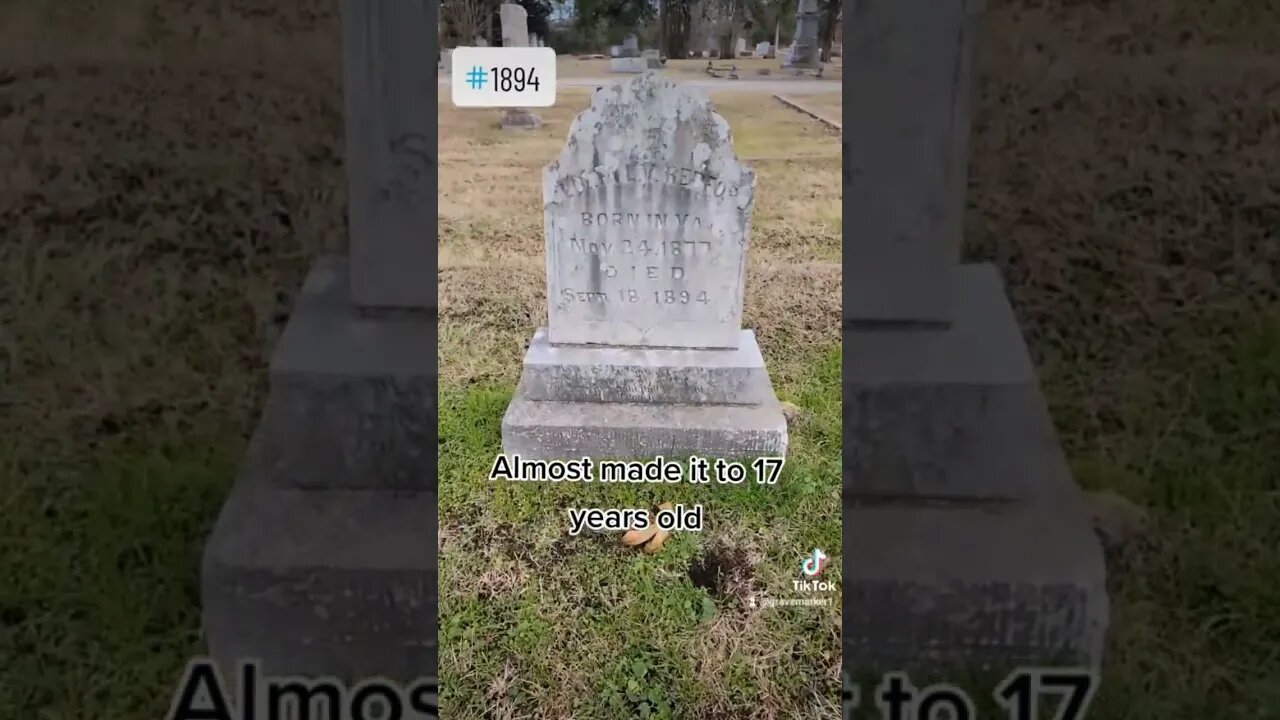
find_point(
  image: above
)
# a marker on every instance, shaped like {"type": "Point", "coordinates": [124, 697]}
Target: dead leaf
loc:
{"type": "Point", "coordinates": [635, 537]}
{"type": "Point", "coordinates": [1118, 521]}
{"type": "Point", "coordinates": [660, 537]}
{"type": "Point", "coordinates": [791, 411]}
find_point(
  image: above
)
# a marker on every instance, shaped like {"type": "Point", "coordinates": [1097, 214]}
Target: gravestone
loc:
{"type": "Point", "coordinates": [763, 50]}
{"type": "Point", "coordinates": [647, 215]}
{"type": "Point", "coordinates": [446, 60]}
{"type": "Point", "coordinates": [628, 64]}
{"type": "Point", "coordinates": [630, 47]}
{"type": "Point", "coordinates": [652, 59]}
{"type": "Point", "coordinates": [615, 51]}
{"type": "Point", "coordinates": [515, 33]}
{"type": "Point", "coordinates": [805, 50]}
{"type": "Point", "coordinates": [480, 42]}
{"type": "Point", "coordinates": [740, 47]}
{"type": "Point", "coordinates": [965, 533]}
{"type": "Point", "coordinates": [323, 559]}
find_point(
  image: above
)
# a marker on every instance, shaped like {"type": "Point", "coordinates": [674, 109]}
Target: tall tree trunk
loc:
{"type": "Point", "coordinates": [663, 14]}
{"type": "Point", "coordinates": [827, 31]}
{"type": "Point", "coordinates": [676, 25]}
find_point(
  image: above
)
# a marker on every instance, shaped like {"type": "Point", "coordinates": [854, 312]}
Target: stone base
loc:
{"type": "Point", "coordinates": [352, 397]}
{"type": "Point", "coordinates": [948, 413]}
{"type": "Point", "coordinates": [323, 582]}
{"type": "Point", "coordinates": [520, 119]}
{"type": "Point", "coordinates": [628, 65]}
{"type": "Point", "coordinates": [574, 373]}
{"type": "Point", "coordinates": [939, 589]}
{"type": "Point", "coordinates": [967, 545]}
{"type": "Point", "coordinates": [639, 403]}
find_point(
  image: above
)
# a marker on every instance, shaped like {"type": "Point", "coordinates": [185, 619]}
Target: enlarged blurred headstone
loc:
{"type": "Point", "coordinates": [966, 534]}
{"type": "Point", "coordinates": [322, 562]}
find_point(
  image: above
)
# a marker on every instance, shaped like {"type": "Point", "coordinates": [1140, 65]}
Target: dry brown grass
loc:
{"type": "Point", "coordinates": [828, 105]}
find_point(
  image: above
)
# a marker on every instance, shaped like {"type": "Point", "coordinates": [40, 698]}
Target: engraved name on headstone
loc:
{"type": "Point", "coordinates": [647, 218]}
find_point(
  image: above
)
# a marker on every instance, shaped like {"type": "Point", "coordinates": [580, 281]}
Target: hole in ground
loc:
{"type": "Point", "coordinates": [714, 570]}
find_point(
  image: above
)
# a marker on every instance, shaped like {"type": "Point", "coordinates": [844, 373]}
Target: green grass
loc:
{"type": "Point", "coordinates": [99, 606]}
{"type": "Point", "coordinates": [549, 617]}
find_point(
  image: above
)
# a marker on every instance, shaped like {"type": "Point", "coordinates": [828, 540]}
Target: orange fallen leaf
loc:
{"type": "Point", "coordinates": [660, 537]}
{"type": "Point", "coordinates": [634, 537]}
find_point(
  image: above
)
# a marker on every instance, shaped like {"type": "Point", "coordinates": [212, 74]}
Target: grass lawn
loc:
{"type": "Point", "coordinates": [165, 179]}
{"type": "Point", "coordinates": [535, 621]}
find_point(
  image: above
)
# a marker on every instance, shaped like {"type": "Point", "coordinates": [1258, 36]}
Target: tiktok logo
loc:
{"type": "Point", "coordinates": [812, 565]}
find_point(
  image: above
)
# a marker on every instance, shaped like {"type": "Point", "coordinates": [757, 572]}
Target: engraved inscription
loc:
{"type": "Point", "coordinates": [647, 217]}
{"type": "Point", "coordinates": [648, 173]}
{"type": "Point", "coordinates": [412, 164]}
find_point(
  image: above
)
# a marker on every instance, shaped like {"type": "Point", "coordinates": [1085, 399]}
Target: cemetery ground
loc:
{"type": "Point", "coordinates": [163, 190]}
{"type": "Point", "coordinates": [533, 620]}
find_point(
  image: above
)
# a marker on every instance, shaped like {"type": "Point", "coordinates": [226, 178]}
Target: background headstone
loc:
{"type": "Point", "coordinates": [628, 65]}
{"type": "Point", "coordinates": [647, 219]}
{"type": "Point", "coordinates": [515, 25]}
{"type": "Point", "coordinates": [740, 47]}
{"type": "Point", "coordinates": [515, 33]}
{"type": "Point", "coordinates": [630, 47]}
{"type": "Point", "coordinates": [652, 59]}
{"type": "Point", "coordinates": [805, 50]}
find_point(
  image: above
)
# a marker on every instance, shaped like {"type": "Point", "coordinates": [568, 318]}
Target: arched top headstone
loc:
{"type": "Point", "coordinates": [647, 214]}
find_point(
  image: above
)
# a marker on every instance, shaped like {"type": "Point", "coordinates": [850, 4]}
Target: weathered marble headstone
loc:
{"type": "Point", "coordinates": [965, 533]}
{"type": "Point", "coordinates": [652, 59]}
{"type": "Point", "coordinates": [647, 216]}
{"type": "Point", "coordinates": [322, 561]}
{"type": "Point", "coordinates": [762, 49]}
{"type": "Point", "coordinates": [805, 50]}
{"type": "Point", "coordinates": [740, 47]}
{"type": "Point", "coordinates": [515, 33]}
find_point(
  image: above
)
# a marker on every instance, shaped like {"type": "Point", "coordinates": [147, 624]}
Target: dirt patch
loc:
{"type": "Point", "coordinates": [718, 570]}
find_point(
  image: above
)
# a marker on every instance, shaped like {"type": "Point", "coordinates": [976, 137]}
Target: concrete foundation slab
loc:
{"type": "Point", "coordinates": [643, 375]}
{"type": "Point", "coordinates": [947, 413]}
{"type": "Point", "coordinates": [939, 589]}
{"type": "Point", "coordinates": [323, 582]}
{"type": "Point", "coordinates": [569, 430]}
{"type": "Point", "coordinates": [352, 396]}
